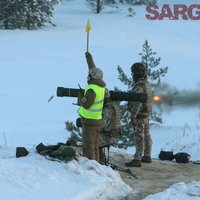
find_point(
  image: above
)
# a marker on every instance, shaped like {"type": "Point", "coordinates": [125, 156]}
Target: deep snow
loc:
{"type": "Point", "coordinates": [34, 63]}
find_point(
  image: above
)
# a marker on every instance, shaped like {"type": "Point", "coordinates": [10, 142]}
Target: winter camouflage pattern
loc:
{"type": "Point", "coordinates": [110, 130]}
{"type": "Point", "coordinates": [143, 142]}
{"type": "Point", "coordinates": [137, 108]}
{"type": "Point", "coordinates": [140, 120]}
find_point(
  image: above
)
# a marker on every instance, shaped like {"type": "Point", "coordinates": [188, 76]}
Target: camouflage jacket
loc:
{"type": "Point", "coordinates": [111, 117]}
{"type": "Point", "coordinates": [141, 110]}
{"type": "Point", "coordinates": [110, 131]}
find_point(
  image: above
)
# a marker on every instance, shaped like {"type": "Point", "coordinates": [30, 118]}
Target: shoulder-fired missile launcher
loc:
{"type": "Point", "coordinates": [114, 95]}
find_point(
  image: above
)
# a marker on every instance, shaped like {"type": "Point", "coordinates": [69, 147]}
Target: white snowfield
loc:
{"type": "Point", "coordinates": [34, 63]}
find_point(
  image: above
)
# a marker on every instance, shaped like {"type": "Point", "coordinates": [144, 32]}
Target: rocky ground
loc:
{"type": "Point", "coordinates": [156, 176]}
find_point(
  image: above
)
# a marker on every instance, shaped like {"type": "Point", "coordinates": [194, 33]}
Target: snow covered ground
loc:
{"type": "Point", "coordinates": [34, 63]}
{"type": "Point", "coordinates": [182, 191]}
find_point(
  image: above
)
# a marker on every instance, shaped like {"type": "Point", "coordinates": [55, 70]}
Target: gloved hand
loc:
{"type": "Point", "coordinates": [87, 54]}
{"type": "Point", "coordinates": [80, 96]}
{"type": "Point", "coordinates": [89, 60]}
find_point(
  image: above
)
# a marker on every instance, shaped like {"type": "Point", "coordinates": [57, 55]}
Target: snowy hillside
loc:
{"type": "Point", "coordinates": [34, 63]}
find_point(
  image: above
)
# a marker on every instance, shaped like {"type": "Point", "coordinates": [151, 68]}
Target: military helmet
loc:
{"type": "Point", "coordinates": [96, 73]}
{"type": "Point", "coordinates": [139, 70]}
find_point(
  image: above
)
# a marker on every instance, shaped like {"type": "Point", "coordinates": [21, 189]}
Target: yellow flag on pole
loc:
{"type": "Point", "coordinates": [87, 29]}
{"type": "Point", "coordinates": [88, 26]}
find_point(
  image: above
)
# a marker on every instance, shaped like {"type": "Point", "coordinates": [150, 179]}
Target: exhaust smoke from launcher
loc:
{"type": "Point", "coordinates": [167, 97]}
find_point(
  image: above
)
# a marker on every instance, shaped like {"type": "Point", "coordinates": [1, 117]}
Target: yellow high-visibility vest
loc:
{"type": "Point", "coordinates": [95, 111]}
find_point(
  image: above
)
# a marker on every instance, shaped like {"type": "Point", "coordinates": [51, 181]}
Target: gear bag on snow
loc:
{"type": "Point", "coordinates": [21, 151]}
{"type": "Point", "coordinates": [182, 157]}
{"type": "Point", "coordinates": [60, 151]}
{"type": "Point", "coordinates": [166, 155]}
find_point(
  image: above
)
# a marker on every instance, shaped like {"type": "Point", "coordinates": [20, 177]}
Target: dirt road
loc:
{"type": "Point", "coordinates": [156, 176]}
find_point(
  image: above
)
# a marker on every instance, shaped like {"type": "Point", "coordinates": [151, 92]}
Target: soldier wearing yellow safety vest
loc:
{"type": "Point", "coordinates": [91, 104]}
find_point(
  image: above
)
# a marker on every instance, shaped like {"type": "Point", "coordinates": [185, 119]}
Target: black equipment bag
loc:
{"type": "Point", "coordinates": [166, 155]}
{"type": "Point", "coordinates": [182, 157]}
{"type": "Point", "coordinates": [21, 151]}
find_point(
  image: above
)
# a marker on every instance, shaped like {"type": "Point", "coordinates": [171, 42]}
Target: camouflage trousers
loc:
{"type": "Point", "coordinates": [107, 138]}
{"type": "Point", "coordinates": [143, 141]}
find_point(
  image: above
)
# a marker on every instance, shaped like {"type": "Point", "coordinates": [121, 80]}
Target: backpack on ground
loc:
{"type": "Point", "coordinates": [166, 155]}
{"type": "Point", "coordinates": [182, 157]}
{"type": "Point", "coordinates": [61, 151]}
{"type": "Point", "coordinates": [21, 151]}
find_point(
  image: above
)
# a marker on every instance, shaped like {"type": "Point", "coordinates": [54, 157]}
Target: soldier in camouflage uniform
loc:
{"type": "Point", "coordinates": [140, 116]}
{"type": "Point", "coordinates": [110, 131]}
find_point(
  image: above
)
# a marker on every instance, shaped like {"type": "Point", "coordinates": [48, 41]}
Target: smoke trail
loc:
{"type": "Point", "coordinates": [173, 97]}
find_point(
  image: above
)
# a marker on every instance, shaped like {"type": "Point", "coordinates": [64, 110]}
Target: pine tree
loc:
{"type": "Point", "coordinates": [95, 5]}
{"type": "Point", "coordinates": [98, 5]}
{"type": "Point", "coordinates": [154, 75]}
{"type": "Point", "coordinates": [26, 14]}
{"type": "Point", "coordinates": [76, 134]}
{"type": "Point", "coordinates": [148, 58]}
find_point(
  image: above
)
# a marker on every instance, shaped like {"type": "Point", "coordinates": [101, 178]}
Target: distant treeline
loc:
{"type": "Point", "coordinates": [34, 14]}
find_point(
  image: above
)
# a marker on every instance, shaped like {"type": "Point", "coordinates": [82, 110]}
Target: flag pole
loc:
{"type": "Point", "coordinates": [87, 29]}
